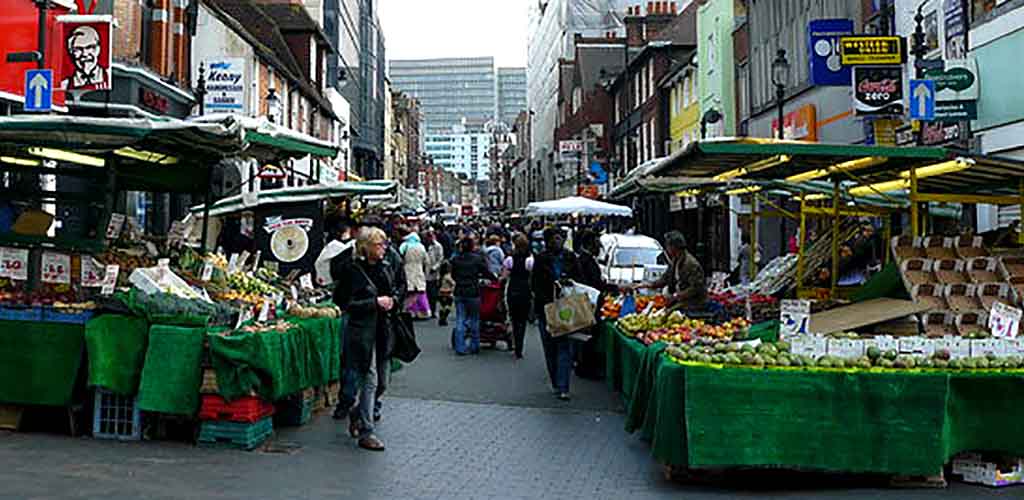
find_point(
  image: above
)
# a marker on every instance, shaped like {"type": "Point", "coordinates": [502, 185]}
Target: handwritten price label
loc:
{"type": "Point", "coordinates": [110, 279]}
{"type": "Point", "coordinates": [92, 272]}
{"type": "Point", "coordinates": [207, 271]}
{"type": "Point", "coordinates": [56, 268]}
{"type": "Point", "coordinates": [306, 281]}
{"type": "Point", "coordinates": [115, 225]}
{"type": "Point", "coordinates": [14, 263]}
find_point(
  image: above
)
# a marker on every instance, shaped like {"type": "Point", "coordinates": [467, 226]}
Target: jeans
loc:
{"type": "Point", "coordinates": [557, 355]}
{"type": "Point", "coordinates": [467, 318]}
{"type": "Point", "coordinates": [359, 393]}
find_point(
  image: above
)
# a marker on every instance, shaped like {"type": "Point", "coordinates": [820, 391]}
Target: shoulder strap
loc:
{"type": "Point", "coordinates": [370, 284]}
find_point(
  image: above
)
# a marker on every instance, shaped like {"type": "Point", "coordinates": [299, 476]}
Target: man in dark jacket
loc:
{"type": "Point", "coordinates": [468, 268]}
{"type": "Point", "coordinates": [554, 265]}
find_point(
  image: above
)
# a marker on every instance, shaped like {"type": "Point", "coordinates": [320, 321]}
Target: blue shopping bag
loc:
{"type": "Point", "coordinates": [628, 306]}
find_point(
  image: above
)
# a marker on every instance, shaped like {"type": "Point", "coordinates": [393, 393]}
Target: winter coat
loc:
{"type": "Point", "coordinates": [467, 270]}
{"type": "Point", "coordinates": [368, 327]}
{"type": "Point", "coordinates": [549, 267]}
{"type": "Point", "coordinates": [417, 263]}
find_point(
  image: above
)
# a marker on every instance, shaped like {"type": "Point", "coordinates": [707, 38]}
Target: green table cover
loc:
{"type": "Point", "coordinates": [39, 362]}
{"type": "Point", "coordinates": [117, 349]}
{"type": "Point", "coordinates": [612, 356]}
{"type": "Point", "coordinates": [172, 372]}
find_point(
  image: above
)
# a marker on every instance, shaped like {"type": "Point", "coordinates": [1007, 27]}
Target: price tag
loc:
{"type": "Point", "coordinates": [945, 343]}
{"type": "Point", "coordinates": [1004, 321]}
{"type": "Point", "coordinates": [244, 315]}
{"type": "Point", "coordinates": [306, 281]}
{"type": "Point", "coordinates": [982, 347]}
{"type": "Point", "coordinates": [115, 225]}
{"type": "Point", "coordinates": [56, 268]}
{"type": "Point", "coordinates": [207, 271]}
{"type": "Point", "coordinates": [256, 260]}
{"type": "Point", "coordinates": [110, 279]}
{"type": "Point", "coordinates": [814, 346]}
{"type": "Point", "coordinates": [887, 343]}
{"type": "Point", "coordinates": [794, 318]}
{"type": "Point", "coordinates": [961, 348]}
{"type": "Point", "coordinates": [295, 293]}
{"type": "Point", "coordinates": [233, 263]}
{"type": "Point", "coordinates": [242, 259]}
{"type": "Point", "coordinates": [265, 311]}
{"type": "Point", "coordinates": [845, 348]}
{"type": "Point", "coordinates": [91, 273]}
{"type": "Point", "coordinates": [1018, 346]}
{"type": "Point", "coordinates": [14, 263]}
{"type": "Point", "coordinates": [910, 345]}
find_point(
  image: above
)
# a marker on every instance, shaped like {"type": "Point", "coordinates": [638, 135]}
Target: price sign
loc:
{"type": "Point", "coordinates": [845, 348]}
{"type": "Point", "coordinates": [207, 271]}
{"type": "Point", "coordinates": [794, 318]}
{"type": "Point", "coordinates": [306, 281]}
{"type": "Point", "coordinates": [887, 343]}
{"type": "Point", "coordinates": [115, 225]}
{"type": "Point", "coordinates": [233, 263]}
{"type": "Point", "coordinates": [244, 315]}
{"type": "Point", "coordinates": [814, 346]}
{"type": "Point", "coordinates": [1018, 346]}
{"type": "Point", "coordinates": [242, 259]}
{"type": "Point", "coordinates": [295, 293]}
{"type": "Point", "coordinates": [110, 279]}
{"type": "Point", "coordinates": [265, 311]}
{"type": "Point", "coordinates": [91, 272]}
{"type": "Point", "coordinates": [961, 348]}
{"type": "Point", "coordinates": [983, 347]}
{"type": "Point", "coordinates": [256, 260]}
{"type": "Point", "coordinates": [1004, 321]}
{"type": "Point", "coordinates": [56, 268]}
{"type": "Point", "coordinates": [14, 263]}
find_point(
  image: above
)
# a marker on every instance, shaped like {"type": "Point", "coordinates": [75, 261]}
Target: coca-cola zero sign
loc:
{"type": "Point", "coordinates": [878, 90]}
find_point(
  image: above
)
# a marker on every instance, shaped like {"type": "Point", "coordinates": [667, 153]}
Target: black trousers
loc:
{"type": "Point", "coordinates": [519, 312]}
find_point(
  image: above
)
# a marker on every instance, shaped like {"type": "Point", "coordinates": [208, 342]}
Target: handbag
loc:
{"type": "Point", "coordinates": [568, 313]}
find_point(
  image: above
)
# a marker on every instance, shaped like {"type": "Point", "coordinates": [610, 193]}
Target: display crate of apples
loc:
{"type": "Point", "coordinates": [675, 328]}
{"type": "Point", "coordinates": [732, 305]}
{"type": "Point", "coordinates": [612, 306]}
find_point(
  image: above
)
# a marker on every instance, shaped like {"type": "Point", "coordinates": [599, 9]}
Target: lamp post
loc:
{"type": "Point", "coordinates": [780, 76]}
{"type": "Point", "coordinates": [200, 90]}
{"type": "Point", "coordinates": [273, 104]}
{"type": "Point", "coordinates": [711, 116]}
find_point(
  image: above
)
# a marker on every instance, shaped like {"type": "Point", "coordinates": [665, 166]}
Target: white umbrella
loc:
{"type": "Point", "coordinates": [575, 205]}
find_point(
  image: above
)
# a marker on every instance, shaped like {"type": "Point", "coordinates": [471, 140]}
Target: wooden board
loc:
{"type": "Point", "coordinates": [862, 314]}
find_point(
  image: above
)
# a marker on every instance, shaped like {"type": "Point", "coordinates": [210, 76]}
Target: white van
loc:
{"type": "Point", "coordinates": [628, 260]}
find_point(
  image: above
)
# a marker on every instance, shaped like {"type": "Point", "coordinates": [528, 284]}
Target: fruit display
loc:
{"type": "Point", "coordinates": [730, 304]}
{"type": "Point", "coordinates": [611, 308]}
{"type": "Point", "coordinates": [314, 311]}
{"type": "Point", "coordinates": [161, 307]}
{"type": "Point", "coordinates": [635, 323]}
{"type": "Point", "coordinates": [659, 302]}
{"type": "Point", "coordinates": [674, 327]}
{"type": "Point", "coordinates": [247, 284]}
{"type": "Point", "coordinates": [274, 327]}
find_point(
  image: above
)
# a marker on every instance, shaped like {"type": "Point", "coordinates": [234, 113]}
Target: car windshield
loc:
{"type": "Point", "coordinates": [629, 257]}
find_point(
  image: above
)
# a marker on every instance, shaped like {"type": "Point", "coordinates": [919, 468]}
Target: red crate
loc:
{"type": "Point", "coordinates": [248, 409]}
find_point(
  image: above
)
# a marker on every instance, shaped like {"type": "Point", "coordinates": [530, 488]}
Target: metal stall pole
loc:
{"type": "Point", "coordinates": [206, 211]}
{"type": "Point", "coordinates": [800, 244]}
{"type": "Point", "coordinates": [915, 221]}
{"type": "Point", "coordinates": [754, 207]}
{"type": "Point", "coordinates": [835, 237]}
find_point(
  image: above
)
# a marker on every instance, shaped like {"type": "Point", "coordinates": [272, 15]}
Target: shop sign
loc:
{"type": "Point", "coordinates": [905, 135]}
{"type": "Point", "coordinates": [956, 111]}
{"type": "Point", "coordinates": [823, 47]}
{"type": "Point", "coordinates": [570, 151]}
{"type": "Point", "coordinates": [878, 90]}
{"type": "Point", "coordinates": [885, 131]}
{"type": "Point", "coordinates": [56, 268]}
{"type": "Point", "coordinates": [14, 263]}
{"type": "Point", "coordinates": [794, 318]}
{"type": "Point", "coordinates": [935, 133]}
{"type": "Point", "coordinates": [956, 28]}
{"type": "Point", "coordinates": [1004, 321]}
{"type": "Point", "coordinates": [872, 50]}
{"type": "Point", "coordinates": [956, 81]}
{"type": "Point", "coordinates": [799, 125]}
{"type": "Point", "coordinates": [271, 172]}
{"type": "Point", "coordinates": [225, 85]}
{"type": "Point", "coordinates": [88, 47]}
{"type": "Point", "coordinates": [154, 101]}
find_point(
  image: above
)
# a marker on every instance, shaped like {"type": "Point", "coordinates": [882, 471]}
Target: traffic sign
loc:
{"type": "Point", "coordinates": [922, 96]}
{"type": "Point", "coordinates": [39, 90]}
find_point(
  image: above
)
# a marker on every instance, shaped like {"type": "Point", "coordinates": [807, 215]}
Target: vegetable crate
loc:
{"type": "Point", "coordinates": [245, 436]}
{"type": "Point", "coordinates": [76, 318]}
{"type": "Point", "coordinates": [248, 409]}
{"type": "Point", "coordinates": [21, 314]}
{"type": "Point", "coordinates": [115, 417]}
{"type": "Point", "coordinates": [294, 410]}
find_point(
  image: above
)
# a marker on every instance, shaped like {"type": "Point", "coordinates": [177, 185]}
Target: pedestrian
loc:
{"type": "Point", "coordinates": [494, 254]}
{"type": "Point", "coordinates": [517, 289]}
{"type": "Point", "coordinates": [367, 294]}
{"type": "Point", "coordinates": [435, 257]}
{"type": "Point", "coordinates": [417, 265]}
{"type": "Point", "coordinates": [340, 232]}
{"type": "Point", "coordinates": [554, 266]}
{"type": "Point", "coordinates": [589, 271]}
{"type": "Point", "coordinates": [445, 294]}
{"type": "Point", "coordinates": [468, 268]}
{"type": "Point", "coordinates": [445, 239]}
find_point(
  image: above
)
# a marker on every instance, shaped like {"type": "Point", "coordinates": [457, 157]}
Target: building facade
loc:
{"type": "Point", "coordinates": [464, 151]}
{"type": "Point", "coordinates": [716, 81]}
{"type": "Point", "coordinates": [449, 90]}
{"type": "Point", "coordinates": [511, 95]}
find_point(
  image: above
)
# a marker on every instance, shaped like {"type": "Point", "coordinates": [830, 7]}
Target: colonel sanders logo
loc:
{"type": "Point", "coordinates": [87, 66]}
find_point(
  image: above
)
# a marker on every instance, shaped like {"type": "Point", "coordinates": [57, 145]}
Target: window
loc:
{"type": "Point", "coordinates": [686, 91]}
{"type": "Point", "coordinates": [650, 78]}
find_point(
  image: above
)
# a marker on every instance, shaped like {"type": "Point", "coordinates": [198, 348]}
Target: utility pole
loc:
{"type": "Point", "coordinates": [44, 7]}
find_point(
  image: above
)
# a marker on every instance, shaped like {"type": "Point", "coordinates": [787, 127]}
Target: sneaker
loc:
{"type": "Point", "coordinates": [564, 396]}
{"type": "Point", "coordinates": [371, 442]}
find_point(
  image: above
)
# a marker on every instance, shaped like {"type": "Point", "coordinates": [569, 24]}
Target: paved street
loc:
{"type": "Point", "coordinates": [456, 428]}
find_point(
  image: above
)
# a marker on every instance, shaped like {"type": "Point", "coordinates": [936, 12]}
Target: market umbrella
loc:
{"type": "Point", "coordinates": [576, 205]}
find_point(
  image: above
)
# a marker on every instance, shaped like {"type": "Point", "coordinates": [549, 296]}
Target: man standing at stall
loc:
{"type": "Point", "coordinates": [684, 277]}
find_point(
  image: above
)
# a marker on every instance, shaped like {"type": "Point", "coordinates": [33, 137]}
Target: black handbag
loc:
{"type": "Point", "coordinates": [403, 338]}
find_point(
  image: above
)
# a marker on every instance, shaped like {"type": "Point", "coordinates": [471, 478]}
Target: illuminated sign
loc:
{"type": "Point", "coordinates": [872, 50]}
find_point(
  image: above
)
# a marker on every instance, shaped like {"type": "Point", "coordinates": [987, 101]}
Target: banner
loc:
{"type": "Point", "coordinates": [88, 48]}
{"type": "Point", "coordinates": [824, 53]}
{"type": "Point", "coordinates": [878, 90]}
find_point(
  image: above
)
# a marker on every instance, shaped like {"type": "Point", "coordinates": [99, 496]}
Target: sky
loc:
{"type": "Point", "coordinates": [425, 29]}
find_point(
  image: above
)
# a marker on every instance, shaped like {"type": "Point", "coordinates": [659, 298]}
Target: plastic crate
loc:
{"type": "Point", "coordinates": [55, 316]}
{"type": "Point", "coordinates": [115, 417]}
{"type": "Point", "coordinates": [246, 410]}
{"type": "Point", "coordinates": [21, 314]}
{"type": "Point", "coordinates": [293, 411]}
{"type": "Point", "coordinates": [246, 436]}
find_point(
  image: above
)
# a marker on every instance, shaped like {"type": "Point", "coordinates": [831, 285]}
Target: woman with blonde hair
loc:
{"type": "Point", "coordinates": [367, 294]}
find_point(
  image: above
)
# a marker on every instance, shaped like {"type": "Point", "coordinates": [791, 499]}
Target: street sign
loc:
{"type": "Point", "coordinates": [922, 100]}
{"type": "Point", "coordinates": [823, 46]}
{"type": "Point", "coordinates": [570, 151]}
{"type": "Point", "coordinates": [871, 50]}
{"type": "Point", "coordinates": [39, 90]}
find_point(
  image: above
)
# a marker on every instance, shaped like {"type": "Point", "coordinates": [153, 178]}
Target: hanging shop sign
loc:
{"type": "Point", "coordinates": [935, 133]}
{"type": "Point", "coordinates": [289, 239]}
{"type": "Point", "coordinates": [14, 263]}
{"type": "Point", "coordinates": [800, 124]}
{"type": "Point", "coordinates": [56, 268]}
{"type": "Point", "coordinates": [956, 90]}
{"type": "Point", "coordinates": [824, 54]}
{"type": "Point", "coordinates": [225, 85]}
{"type": "Point", "coordinates": [955, 20]}
{"type": "Point", "coordinates": [570, 151]}
{"type": "Point", "coordinates": [88, 49]}
{"type": "Point", "coordinates": [878, 90]}
{"type": "Point", "coordinates": [872, 50]}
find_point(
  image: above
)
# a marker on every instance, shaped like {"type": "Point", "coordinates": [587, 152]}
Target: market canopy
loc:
{"type": "Point", "coordinates": [297, 195]}
{"type": "Point", "coordinates": [267, 141]}
{"type": "Point", "coordinates": [576, 205]}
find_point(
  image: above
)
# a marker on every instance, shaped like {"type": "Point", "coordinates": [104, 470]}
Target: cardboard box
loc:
{"type": "Point", "coordinates": [982, 269]}
{"type": "Point", "coordinates": [906, 247]}
{"type": "Point", "coordinates": [969, 247]}
{"type": "Point", "coordinates": [990, 293]}
{"type": "Point", "coordinates": [950, 271]}
{"type": "Point", "coordinates": [917, 272]}
{"type": "Point", "coordinates": [939, 247]}
{"type": "Point", "coordinates": [961, 297]}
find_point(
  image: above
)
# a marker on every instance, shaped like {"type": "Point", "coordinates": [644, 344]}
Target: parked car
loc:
{"type": "Point", "coordinates": [631, 259]}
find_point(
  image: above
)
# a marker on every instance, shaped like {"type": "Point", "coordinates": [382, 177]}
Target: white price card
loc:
{"type": "Point", "coordinates": [911, 345]}
{"type": "Point", "coordinates": [265, 311]}
{"type": "Point", "coordinates": [984, 347]}
{"type": "Point", "coordinates": [56, 268]}
{"type": "Point", "coordinates": [1018, 347]}
{"type": "Point", "coordinates": [794, 318]}
{"type": "Point", "coordinates": [91, 272]}
{"type": "Point", "coordinates": [1004, 320]}
{"type": "Point", "coordinates": [845, 348]}
{"type": "Point", "coordinates": [244, 315]}
{"type": "Point", "coordinates": [14, 263]}
{"type": "Point", "coordinates": [233, 263]}
{"type": "Point", "coordinates": [961, 348]}
{"type": "Point", "coordinates": [306, 281]}
{"type": "Point", "coordinates": [110, 279]}
{"type": "Point", "coordinates": [115, 225]}
{"type": "Point", "coordinates": [814, 346]}
{"type": "Point", "coordinates": [207, 271]}
{"type": "Point", "coordinates": [295, 293]}
{"type": "Point", "coordinates": [256, 260]}
{"type": "Point", "coordinates": [887, 343]}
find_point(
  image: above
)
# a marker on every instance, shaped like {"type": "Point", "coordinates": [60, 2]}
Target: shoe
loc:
{"type": "Point", "coordinates": [457, 353]}
{"type": "Point", "coordinates": [376, 415]}
{"type": "Point", "coordinates": [474, 351]}
{"type": "Point", "coordinates": [564, 396]}
{"type": "Point", "coordinates": [442, 323]}
{"type": "Point", "coordinates": [339, 414]}
{"type": "Point", "coordinates": [353, 427]}
{"type": "Point", "coordinates": [371, 442]}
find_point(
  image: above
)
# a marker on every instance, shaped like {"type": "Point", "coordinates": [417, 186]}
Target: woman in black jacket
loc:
{"type": "Point", "coordinates": [517, 289]}
{"type": "Point", "coordinates": [554, 264]}
{"type": "Point", "coordinates": [468, 268]}
{"type": "Point", "coordinates": [366, 292]}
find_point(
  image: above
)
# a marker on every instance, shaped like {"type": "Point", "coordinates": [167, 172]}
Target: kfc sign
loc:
{"type": "Point", "coordinates": [19, 34]}
{"type": "Point", "coordinates": [87, 53]}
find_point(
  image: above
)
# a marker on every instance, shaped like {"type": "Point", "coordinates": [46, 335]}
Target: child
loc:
{"type": "Point", "coordinates": [445, 294]}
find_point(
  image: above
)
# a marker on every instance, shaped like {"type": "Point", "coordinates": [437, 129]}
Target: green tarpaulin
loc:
{"type": "Point", "coordinates": [117, 349]}
{"type": "Point", "coordinates": [39, 362]}
{"type": "Point", "coordinates": [172, 372]}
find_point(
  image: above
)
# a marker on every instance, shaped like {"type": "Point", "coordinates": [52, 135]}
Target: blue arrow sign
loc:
{"type": "Point", "coordinates": [39, 90]}
{"type": "Point", "coordinates": [922, 100]}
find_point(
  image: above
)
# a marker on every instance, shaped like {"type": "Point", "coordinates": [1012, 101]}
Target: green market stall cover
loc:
{"type": "Point", "coordinates": [241, 202]}
{"type": "Point", "coordinates": [267, 141]}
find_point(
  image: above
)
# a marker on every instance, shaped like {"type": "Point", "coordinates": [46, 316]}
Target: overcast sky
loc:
{"type": "Point", "coordinates": [424, 29]}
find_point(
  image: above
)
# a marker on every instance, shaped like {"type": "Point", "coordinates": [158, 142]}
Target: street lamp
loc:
{"type": "Point", "coordinates": [273, 104]}
{"type": "Point", "coordinates": [780, 76]}
{"type": "Point", "coordinates": [711, 116]}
